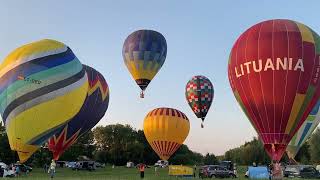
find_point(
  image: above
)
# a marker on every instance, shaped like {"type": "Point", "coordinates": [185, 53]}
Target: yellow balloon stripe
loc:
{"type": "Point", "coordinates": [298, 101]}
{"type": "Point", "coordinates": [43, 117]}
{"type": "Point", "coordinates": [306, 34]}
{"type": "Point", "coordinates": [140, 72]}
{"type": "Point", "coordinates": [34, 50]}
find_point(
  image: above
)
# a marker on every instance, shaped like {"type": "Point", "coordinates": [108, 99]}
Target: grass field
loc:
{"type": "Point", "coordinates": [118, 173]}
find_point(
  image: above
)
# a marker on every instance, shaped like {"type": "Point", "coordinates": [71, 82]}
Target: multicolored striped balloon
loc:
{"type": "Point", "coordinates": [274, 74]}
{"type": "Point", "coordinates": [42, 86]}
{"type": "Point", "coordinates": [199, 95]}
{"type": "Point", "coordinates": [144, 53]}
{"type": "Point", "coordinates": [304, 132]}
{"type": "Point", "coordinates": [166, 129]}
{"type": "Point", "coordinates": [92, 111]}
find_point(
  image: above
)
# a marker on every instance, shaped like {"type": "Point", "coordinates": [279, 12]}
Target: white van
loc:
{"type": "Point", "coordinates": [5, 171]}
{"type": "Point", "coordinates": [162, 163]}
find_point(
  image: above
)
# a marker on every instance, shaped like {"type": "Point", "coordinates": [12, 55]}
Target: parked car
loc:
{"type": "Point", "coordinates": [228, 165]}
{"type": "Point", "coordinates": [162, 163]}
{"type": "Point", "coordinates": [23, 168]}
{"type": "Point", "coordinates": [130, 165]}
{"type": "Point", "coordinates": [6, 172]}
{"type": "Point", "coordinates": [85, 165]}
{"type": "Point", "coordinates": [3, 165]}
{"type": "Point", "coordinates": [100, 165]}
{"type": "Point", "coordinates": [71, 164]}
{"type": "Point", "coordinates": [292, 171]}
{"type": "Point", "coordinates": [213, 171]}
{"type": "Point", "coordinates": [61, 164]}
{"type": "Point", "coordinates": [309, 172]}
{"type": "Point", "coordinates": [203, 171]}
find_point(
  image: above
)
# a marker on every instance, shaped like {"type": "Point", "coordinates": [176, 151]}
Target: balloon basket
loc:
{"type": "Point", "coordinates": [142, 95]}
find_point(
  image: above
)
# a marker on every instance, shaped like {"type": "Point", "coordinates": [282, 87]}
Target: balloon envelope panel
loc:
{"type": "Point", "coordinates": [304, 132]}
{"type": "Point", "coordinates": [273, 71]}
{"type": "Point", "coordinates": [166, 129]}
{"type": "Point", "coordinates": [91, 113]}
{"type": "Point", "coordinates": [42, 86]}
{"type": "Point", "coordinates": [144, 53]}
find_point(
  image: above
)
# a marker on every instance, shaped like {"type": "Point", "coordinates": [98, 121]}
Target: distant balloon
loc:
{"type": "Point", "coordinates": [304, 132]}
{"type": "Point", "coordinates": [166, 129]}
{"type": "Point", "coordinates": [144, 53]}
{"type": "Point", "coordinates": [274, 74]}
{"type": "Point", "coordinates": [42, 86]}
{"type": "Point", "coordinates": [199, 95]}
{"type": "Point", "coordinates": [92, 111]}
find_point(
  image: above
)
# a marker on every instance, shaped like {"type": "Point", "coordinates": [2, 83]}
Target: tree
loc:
{"type": "Point", "coordinates": [303, 155]}
{"type": "Point", "coordinates": [251, 152]}
{"type": "Point", "coordinates": [84, 146]}
{"type": "Point", "coordinates": [6, 155]}
{"type": "Point", "coordinates": [315, 146]}
{"type": "Point", "coordinates": [210, 159]}
{"type": "Point", "coordinates": [120, 142]}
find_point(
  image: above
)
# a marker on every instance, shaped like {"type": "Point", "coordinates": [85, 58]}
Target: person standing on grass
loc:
{"type": "Point", "coordinates": [52, 169]}
{"type": "Point", "coordinates": [156, 170]}
{"type": "Point", "coordinates": [141, 169]}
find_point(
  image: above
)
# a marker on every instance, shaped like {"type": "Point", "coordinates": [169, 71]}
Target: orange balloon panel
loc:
{"type": "Point", "coordinates": [166, 129]}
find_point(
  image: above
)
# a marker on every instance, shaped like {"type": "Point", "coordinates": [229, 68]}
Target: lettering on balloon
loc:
{"type": "Point", "coordinates": [277, 65]}
{"type": "Point", "coordinates": [34, 81]}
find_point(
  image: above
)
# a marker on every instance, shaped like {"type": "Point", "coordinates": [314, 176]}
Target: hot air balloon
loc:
{"type": "Point", "coordinates": [199, 95]}
{"type": "Point", "coordinates": [42, 86]}
{"type": "Point", "coordinates": [144, 53]}
{"type": "Point", "coordinates": [304, 132]}
{"type": "Point", "coordinates": [274, 74]}
{"type": "Point", "coordinates": [92, 111]}
{"type": "Point", "coordinates": [166, 129]}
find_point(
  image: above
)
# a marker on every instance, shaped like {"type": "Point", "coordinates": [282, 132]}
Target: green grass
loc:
{"type": "Point", "coordinates": [118, 173]}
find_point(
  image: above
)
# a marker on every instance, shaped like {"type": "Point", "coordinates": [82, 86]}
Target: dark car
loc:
{"type": "Point", "coordinates": [227, 164]}
{"type": "Point", "coordinates": [309, 172]}
{"type": "Point", "coordinates": [23, 168]}
{"type": "Point", "coordinates": [213, 171]}
{"type": "Point", "coordinates": [292, 171]}
{"type": "Point", "coordinates": [85, 165]}
{"type": "Point", "coordinates": [202, 171]}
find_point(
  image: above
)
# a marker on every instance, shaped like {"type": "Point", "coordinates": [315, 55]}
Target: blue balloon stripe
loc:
{"type": "Point", "coordinates": [305, 132]}
{"type": "Point", "coordinates": [35, 66]}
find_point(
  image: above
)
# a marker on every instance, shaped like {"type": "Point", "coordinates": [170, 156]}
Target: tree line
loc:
{"type": "Point", "coordinates": [253, 152]}
{"type": "Point", "coordinates": [117, 144]}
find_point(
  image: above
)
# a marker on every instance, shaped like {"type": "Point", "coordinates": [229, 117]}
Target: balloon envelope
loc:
{"type": "Point", "coordinates": [92, 111]}
{"type": "Point", "coordinates": [144, 52]}
{"type": "Point", "coordinates": [273, 72]}
{"type": "Point", "coordinates": [304, 132]}
{"type": "Point", "coordinates": [199, 94]}
{"type": "Point", "coordinates": [42, 86]}
{"type": "Point", "coordinates": [166, 129]}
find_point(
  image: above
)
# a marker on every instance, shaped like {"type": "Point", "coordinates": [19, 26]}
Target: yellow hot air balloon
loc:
{"type": "Point", "coordinates": [42, 86]}
{"type": "Point", "coordinates": [166, 129]}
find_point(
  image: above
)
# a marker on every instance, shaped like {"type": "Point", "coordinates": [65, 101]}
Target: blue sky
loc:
{"type": "Point", "coordinates": [199, 35]}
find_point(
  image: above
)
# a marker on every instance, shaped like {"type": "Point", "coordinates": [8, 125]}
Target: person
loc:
{"type": "Point", "coordinates": [1, 171]}
{"type": "Point", "coordinates": [194, 171]}
{"type": "Point", "coordinates": [52, 169]}
{"type": "Point", "coordinates": [277, 173]}
{"type": "Point", "coordinates": [17, 170]}
{"type": "Point", "coordinates": [235, 171]}
{"type": "Point", "coordinates": [141, 169]}
{"type": "Point", "coordinates": [45, 167]}
{"type": "Point", "coordinates": [156, 170]}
